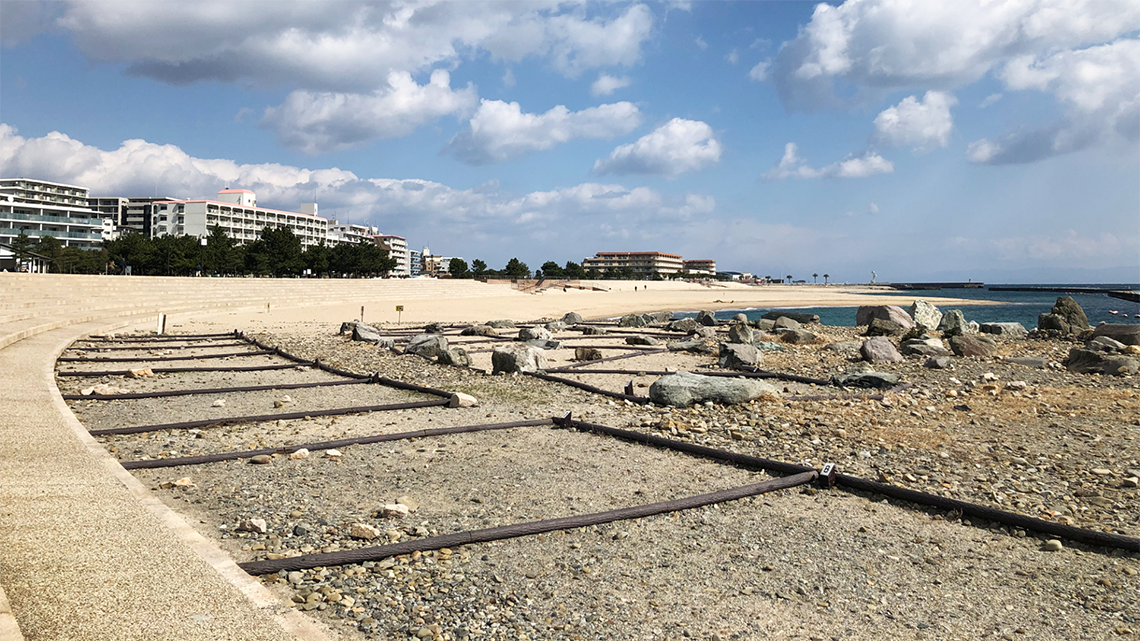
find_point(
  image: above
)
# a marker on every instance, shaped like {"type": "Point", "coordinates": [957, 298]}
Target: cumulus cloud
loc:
{"type": "Point", "coordinates": [672, 149]}
{"type": "Point", "coordinates": [469, 220]}
{"type": "Point", "coordinates": [607, 84]}
{"type": "Point", "coordinates": [324, 122]}
{"type": "Point", "coordinates": [882, 45]}
{"type": "Point", "coordinates": [862, 165]}
{"type": "Point", "coordinates": [923, 125]}
{"type": "Point", "coordinates": [500, 131]}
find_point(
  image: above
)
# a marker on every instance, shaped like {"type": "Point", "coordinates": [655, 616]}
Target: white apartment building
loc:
{"type": "Point", "coordinates": [397, 248]}
{"type": "Point", "coordinates": [237, 213]}
{"type": "Point", "coordinates": [41, 208]}
{"type": "Point", "coordinates": [640, 263]}
{"type": "Point", "coordinates": [341, 234]}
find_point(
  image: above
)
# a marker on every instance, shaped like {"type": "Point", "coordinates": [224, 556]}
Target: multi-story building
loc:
{"type": "Point", "coordinates": [415, 262]}
{"type": "Point", "coordinates": [238, 215]}
{"type": "Point", "coordinates": [397, 248]}
{"type": "Point", "coordinates": [41, 208]}
{"type": "Point", "coordinates": [348, 233]}
{"type": "Point", "coordinates": [435, 266]}
{"type": "Point", "coordinates": [133, 215]}
{"type": "Point", "coordinates": [701, 267]}
{"type": "Point", "coordinates": [640, 263]}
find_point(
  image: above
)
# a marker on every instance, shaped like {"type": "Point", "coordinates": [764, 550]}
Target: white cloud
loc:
{"type": "Point", "coordinates": [863, 165]}
{"type": "Point", "coordinates": [468, 222]}
{"type": "Point", "coordinates": [701, 44]}
{"type": "Point", "coordinates": [500, 131]}
{"type": "Point", "coordinates": [760, 72]}
{"type": "Point", "coordinates": [733, 57]}
{"type": "Point", "coordinates": [882, 45]}
{"type": "Point", "coordinates": [921, 125]}
{"type": "Point", "coordinates": [607, 84]}
{"type": "Point", "coordinates": [1099, 88]}
{"type": "Point", "coordinates": [672, 149]}
{"type": "Point", "coordinates": [508, 78]}
{"type": "Point", "coordinates": [990, 100]}
{"type": "Point", "coordinates": [324, 122]}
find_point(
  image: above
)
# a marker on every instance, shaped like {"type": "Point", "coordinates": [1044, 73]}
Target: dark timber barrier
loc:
{"type": "Point", "coordinates": [160, 338]}
{"type": "Point", "coordinates": [210, 390]}
{"type": "Point", "coordinates": [619, 357]}
{"type": "Point", "coordinates": [180, 370]}
{"type": "Point", "coordinates": [159, 359]}
{"type": "Point", "coordinates": [98, 348]}
{"type": "Point", "coordinates": [329, 445]}
{"type": "Point", "coordinates": [522, 529]}
{"type": "Point", "coordinates": [211, 422]}
{"type": "Point", "coordinates": [640, 400]}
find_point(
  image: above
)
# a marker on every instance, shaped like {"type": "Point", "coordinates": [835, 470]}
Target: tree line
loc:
{"type": "Point", "coordinates": [550, 270]}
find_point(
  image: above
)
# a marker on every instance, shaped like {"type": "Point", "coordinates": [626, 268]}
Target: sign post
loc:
{"type": "Point", "coordinates": [400, 313]}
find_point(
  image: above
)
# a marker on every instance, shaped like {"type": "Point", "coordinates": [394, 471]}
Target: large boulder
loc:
{"type": "Point", "coordinates": [846, 348]}
{"type": "Point", "coordinates": [740, 318]}
{"type": "Point", "coordinates": [591, 330]}
{"type": "Point", "coordinates": [973, 345]}
{"type": "Point", "coordinates": [517, 357]}
{"type": "Point", "coordinates": [479, 330]}
{"type": "Point", "coordinates": [504, 323]}
{"type": "Point", "coordinates": [765, 324]}
{"type": "Point", "coordinates": [1086, 361]}
{"type": "Point", "coordinates": [805, 319]}
{"type": "Point", "coordinates": [369, 334]}
{"type": "Point", "coordinates": [661, 317]}
{"type": "Point", "coordinates": [785, 322]}
{"type": "Point", "coordinates": [768, 346]}
{"type": "Point", "coordinates": [572, 318]}
{"type": "Point", "coordinates": [874, 380]}
{"type": "Point", "coordinates": [954, 323]}
{"type": "Point", "coordinates": [740, 333]}
{"type": "Point", "coordinates": [1127, 334]}
{"type": "Point", "coordinates": [738, 355]}
{"type": "Point", "coordinates": [924, 347]}
{"type": "Point", "coordinates": [683, 389]}
{"type": "Point", "coordinates": [1105, 345]}
{"type": "Point", "coordinates": [866, 313]}
{"type": "Point", "coordinates": [534, 334]}
{"type": "Point", "coordinates": [641, 340]}
{"type": "Point", "coordinates": [456, 356]}
{"type": "Point", "coordinates": [1066, 317]}
{"type": "Point", "coordinates": [433, 328]}
{"type": "Point", "coordinates": [544, 344]}
{"type": "Point", "coordinates": [884, 327]}
{"type": "Point", "coordinates": [880, 350]}
{"type": "Point", "coordinates": [924, 314]}
{"type": "Point", "coordinates": [695, 346]}
{"type": "Point", "coordinates": [1009, 330]}
{"type": "Point", "coordinates": [426, 345]}
{"type": "Point", "coordinates": [796, 336]}
{"type": "Point", "coordinates": [555, 326]}
{"type": "Point", "coordinates": [633, 320]}
{"type": "Point", "coordinates": [703, 332]}
{"type": "Point", "coordinates": [685, 325]}
{"type": "Point", "coordinates": [706, 318]}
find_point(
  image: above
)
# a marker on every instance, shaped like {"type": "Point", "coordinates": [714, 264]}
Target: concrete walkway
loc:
{"type": "Point", "coordinates": [86, 552]}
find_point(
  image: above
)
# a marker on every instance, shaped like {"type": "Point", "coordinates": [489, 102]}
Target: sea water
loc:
{"type": "Point", "coordinates": [1017, 307]}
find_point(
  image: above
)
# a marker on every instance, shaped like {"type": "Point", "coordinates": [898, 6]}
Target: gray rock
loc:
{"type": "Point", "coordinates": [799, 317]}
{"type": "Point", "coordinates": [704, 332]}
{"type": "Point", "coordinates": [924, 314]}
{"type": "Point", "coordinates": [740, 318]}
{"type": "Point", "coordinates": [590, 330]}
{"type": "Point", "coordinates": [456, 356]}
{"type": "Point", "coordinates": [685, 325]}
{"type": "Point", "coordinates": [346, 327]}
{"type": "Point", "coordinates": [785, 322]}
{"type": "Point", "coordinates": [1029, 361]}
{"type": "Point", "coordinates": [555, 326]}
{"type": "Point", "coordinates": [1105, 344]}
{"type": "Point", "coordinates": [765, 324]}
{"type": "Point", "coordinates": [866, 313]}
{"type": "Point", "coordinates": [696, 346]}
{"type": "Point", "coordinates": [954, 324]}
{"type": "Point", "coordinates": [796, 336]}
{"type": "Point", "coordinates": [368, 334]}
{"type": "Point", "coordinates": [1068, 309]}
{"type": "Point", "coordinates": [504, 323]}
{"type": "Point", "coordinates": [587, 354]}
{"type": "Point", "coordinates": [517, 357]}
{"type": "Point", "coordinates": [740, 333]}
{"type": "Point", "coordinates": [880, 350]}
{"type": "Point", "coordinates": [683, 389]}
{"type": "Point", "coordinates": [766, 346]}
{"type": "Point", "coordinates": [479, 330]}
{"type": "Point", "coordinates": [706, 318]}
{"type": "Point", "coordinates": [426, 345]}
{"type": "Point", "coordinates": [884, 327]}
{"type": "Point", "coordinates": [924, 347]}
{"type": "Point", "coordinates": [1083, 361]}
{"type": "Point", "coordinates": [261, 459]}
{"type": "Point", "coordinates": [738, 355]}
{"type": "Point", "coordinates": [846, 348]}
{"type": "Point", "coordinates": [641, 340]}
{"type": "Point", "coordinates": [1011, 330]}
{"type": "Point", "coordinates": [973, 345]}
{"type": "Point", "coordinates": [433, 328]}
{"type": "Point", "coordinates": [544, 344]}
{"type": "Point", "coordinates": [938, 362]}
{"type": "Point", "coordinates": [572, 318]}
{"type": "Point", "coordinates": [632, 320]}
{"type": "Point", "coordinates": [1127, 334]}
{"type": "Point", "coordinates": [534, 334]}
{"type": "Point", "coordinates": [662, 317]}
{"type": "Point", "coordinates": [874, 380]}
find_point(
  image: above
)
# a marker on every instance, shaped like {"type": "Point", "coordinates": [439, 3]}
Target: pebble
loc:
{"type": "Point", "coordinates": [1053, 545]}
{"type": "Point", "coordinates": [1132, 481]}
{"type": "Point", "coordinates": [1101, 471]}
{"type": "Point", "coordinates": [299, 454]}
{"type": "Point", "coordinates": [332, 454]}
{"type": "Point", "coordinates": [261, 459]}
{"type": "Point", "coordinates": [221, 402]}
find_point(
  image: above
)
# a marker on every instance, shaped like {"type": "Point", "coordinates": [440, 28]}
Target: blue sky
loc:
{"type": "Point", "coordinates": [997, 141]}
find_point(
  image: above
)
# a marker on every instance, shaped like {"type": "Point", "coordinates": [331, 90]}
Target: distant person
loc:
{"type": "Point", "coordinates": [635, 288]}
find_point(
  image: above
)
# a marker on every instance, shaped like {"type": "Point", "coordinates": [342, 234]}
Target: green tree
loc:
{"type": "Point", "coordinates": [49, 247]}
{"type": "Point", "coordinates": [316, 258]}
{"type": "Point", "coordinates": [22, 243]}
{"type": "Point", "coordinates": [458, 268]}
{"type": "Point", "coordinates": [134, 250]}
{"type": "Point", "coordinates": [219, 257]}
{"type": "Point", "coordinates": [478, 268]}
{"type": "Point", "coordinates": [284, 249]}
{"type": "Point", "coordinates": [551, 269]}
{"type": "Point", "coordinates": [573, 270]}
{"type": "Point", "coordinates": [516, 269]}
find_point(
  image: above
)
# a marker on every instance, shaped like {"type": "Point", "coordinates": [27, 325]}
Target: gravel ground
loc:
{"type": "Point", "coordinates": [796, 564]}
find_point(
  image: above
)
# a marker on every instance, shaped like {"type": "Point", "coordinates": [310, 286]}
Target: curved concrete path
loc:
{"type": "Point", "coordinates": [86, 552]}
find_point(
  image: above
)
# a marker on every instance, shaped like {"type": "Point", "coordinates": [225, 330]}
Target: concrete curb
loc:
{"type": "Point", "coordinates": [9, 628]}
